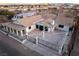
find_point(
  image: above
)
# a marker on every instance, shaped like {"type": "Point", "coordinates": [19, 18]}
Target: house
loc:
{"type": "Point", "coordinates": [52, 33]}
{"type": "Point", "coordinates": [26, 22]}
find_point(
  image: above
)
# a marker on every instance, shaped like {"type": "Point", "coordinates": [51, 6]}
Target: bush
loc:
{"type": "Point", "coordinates": [7, 13]}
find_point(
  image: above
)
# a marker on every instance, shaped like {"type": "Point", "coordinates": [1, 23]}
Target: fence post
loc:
{"type": "Point", "coordinates": [37, 40]}
{"type": "Point", "coordinates": [27, 35]}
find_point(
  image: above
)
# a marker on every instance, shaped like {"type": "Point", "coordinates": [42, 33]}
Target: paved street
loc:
{"type": "Point", "coordinates": [14, 48]}
{"type": "Point", "coordinates": [75, 51]}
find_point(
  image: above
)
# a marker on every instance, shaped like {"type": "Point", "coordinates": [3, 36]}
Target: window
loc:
{"type": "Point", "coordinates": [46, 29]}
{"type": "Point", "coordinates": [29, 27]}
{"type": "Point", "coordinates": [61, 26]}
{"type": "Point", "coordinates": [70, 28]}
{"type": "Point", "coordinates": [41, 27]}
{"type": "Point", "coordinates": [39, 6]}
{"type": "Point", "coordinates": [37, 26]}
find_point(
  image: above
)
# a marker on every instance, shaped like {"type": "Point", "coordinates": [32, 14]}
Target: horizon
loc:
{"type": "Point", "coordinates": [36, 1]}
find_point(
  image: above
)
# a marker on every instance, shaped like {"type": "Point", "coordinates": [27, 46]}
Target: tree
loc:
{"type": "Point", "coordinates": [76, 19]}
{"type": "Point", "coordinates": [7, 13]}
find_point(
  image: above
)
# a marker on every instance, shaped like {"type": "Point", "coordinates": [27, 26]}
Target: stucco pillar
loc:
{"type": "Point", "coordinates": [21, 33]}
{"type": "Point", "coordinates": [17, 32]}
{"type": "Point", "coordinates": [43, 32]}
{"type": "Point", "coordinates": [27, 35]}
{"type": "Point", "coordinates": [37, 40]}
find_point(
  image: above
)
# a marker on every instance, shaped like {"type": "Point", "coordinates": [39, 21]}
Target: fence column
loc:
{"type": "Point", "coordinates": [27, 35]}
{"type": "Point", "coordinates": [37, 40]}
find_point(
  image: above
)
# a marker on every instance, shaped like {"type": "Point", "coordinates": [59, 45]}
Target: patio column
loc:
{"type": "Point", "coordinates": [17, 32]}
{"type": "Point", "coordinates": [27, 35]}
{"type": "Point", "coordinates": [21, 33]}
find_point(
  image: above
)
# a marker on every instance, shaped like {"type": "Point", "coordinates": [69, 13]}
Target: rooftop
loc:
{"type": "Point", "coordinates": [62, 19]}
{"type": "Point", "coordinates": [27, 21]}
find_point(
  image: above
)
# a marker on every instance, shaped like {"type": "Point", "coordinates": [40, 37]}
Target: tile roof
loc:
{"type": "Point", "coordinates": [28, 21]}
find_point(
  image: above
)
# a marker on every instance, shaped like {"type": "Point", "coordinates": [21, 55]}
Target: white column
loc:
{"type": "Point", "coordinates": [10, 30]}
{"type": "Point", "coordinates": [27, 35]}
{"type": "Point", "coordinates": [43, 34]}
{"type": "Point", "coordinates": [37, 40]}
{"type": "Point", "coordinates": [17, 32]}
{"type": "Point", "coordinates": [13, 31]}
{"type": "Point", "coordinates": [21, 33]}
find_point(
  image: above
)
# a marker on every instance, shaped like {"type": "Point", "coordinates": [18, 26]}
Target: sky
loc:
{"type": "Point", "coordinates": [38, 1]}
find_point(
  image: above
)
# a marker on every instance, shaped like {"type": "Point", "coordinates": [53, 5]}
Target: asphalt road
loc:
{"type": "Point", "coordinates": [75, 51]}
{"type": "Point", "coordinates": [14, 48]}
